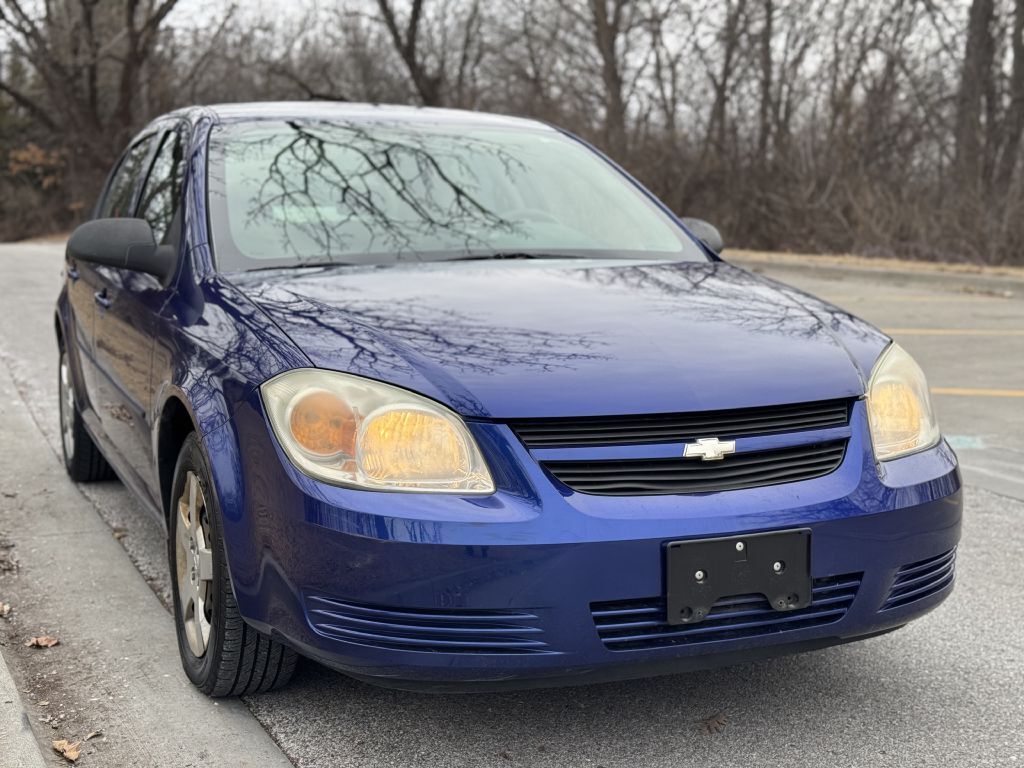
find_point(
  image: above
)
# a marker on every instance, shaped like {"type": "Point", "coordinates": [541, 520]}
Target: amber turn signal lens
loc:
{"type": "Point", "coordinates": [323, 424]}
{"type": "Point", "coordinates": [411, 445]}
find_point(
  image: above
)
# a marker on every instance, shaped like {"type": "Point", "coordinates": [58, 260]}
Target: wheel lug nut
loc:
{"type": "Point", "coordinates": [699, 575]}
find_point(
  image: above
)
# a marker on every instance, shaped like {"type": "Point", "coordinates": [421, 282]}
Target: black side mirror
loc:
{"type": "Point", "coordinates": [122, 243]}
{"type": "Point", "coordinates": [707, 233]}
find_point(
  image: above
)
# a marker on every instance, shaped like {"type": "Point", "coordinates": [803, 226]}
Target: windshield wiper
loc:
{"type": "Point", "coordinates": [500, 255]}
{"type": "Point", "coordinates": [297, 266]}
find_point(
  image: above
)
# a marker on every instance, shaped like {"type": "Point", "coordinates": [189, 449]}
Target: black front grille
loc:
{"type": "Point", "coordinates": [922, 579]}
{"type": "Point", "coordinates": [632, 477]}
{"type": "Point", "coordinates": [678, 427]}
{"type": "Point", "coordinates": [626, 625]}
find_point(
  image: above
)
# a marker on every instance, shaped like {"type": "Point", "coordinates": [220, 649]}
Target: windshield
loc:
{"type": "Point", "coordinates": [355, 192]}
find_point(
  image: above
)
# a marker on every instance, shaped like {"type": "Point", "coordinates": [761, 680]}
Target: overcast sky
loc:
{"type": "Point", "coordinates": [187, 11]}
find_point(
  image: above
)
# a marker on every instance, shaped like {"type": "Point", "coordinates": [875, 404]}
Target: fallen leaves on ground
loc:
{"type": "Point", "coordinates": [120, 533]}
{"type": "Point", "coordinates": [66, 749]}
{"type": "Point", "coordinates": [5, 610]}
{"type": "Point", "coordinates": [70, 750]}
{"type": "Point", "coordinates": [714, 724]}
{"type": "Point", "coordinates": [43, 641]}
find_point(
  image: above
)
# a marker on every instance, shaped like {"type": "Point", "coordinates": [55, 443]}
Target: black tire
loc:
{"type": "Point", "coordinates": [236, 659]}
{"type": "Point", "coordinates": [82, 459]}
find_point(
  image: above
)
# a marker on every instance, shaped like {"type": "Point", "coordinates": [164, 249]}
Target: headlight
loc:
{"type": "Point", "coordinates": [899, 410]}
{"type": "Point", "coordinates": [356, 432]}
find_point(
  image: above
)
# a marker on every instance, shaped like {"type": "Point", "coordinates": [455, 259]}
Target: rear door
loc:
{"type": "Point", "coordinates": [126, 317]}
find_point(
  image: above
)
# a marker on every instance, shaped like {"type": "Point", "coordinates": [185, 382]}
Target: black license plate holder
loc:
{"type": "Point", "coordinates": [699, 572]}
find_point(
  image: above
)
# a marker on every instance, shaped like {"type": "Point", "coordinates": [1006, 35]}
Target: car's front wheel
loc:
{"type": "Point", "coordinates": [221, 654]}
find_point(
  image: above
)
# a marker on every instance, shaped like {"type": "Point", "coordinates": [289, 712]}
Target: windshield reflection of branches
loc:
{"type": "Point", "coordinates": [336, 188]}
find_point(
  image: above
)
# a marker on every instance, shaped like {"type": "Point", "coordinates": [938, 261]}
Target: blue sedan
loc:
{"type": "Point", "coordinates": [444, 399]}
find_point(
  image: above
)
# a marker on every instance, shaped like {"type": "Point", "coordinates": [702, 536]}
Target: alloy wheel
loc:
{"type": "Point", "coordinates": [194, 565]}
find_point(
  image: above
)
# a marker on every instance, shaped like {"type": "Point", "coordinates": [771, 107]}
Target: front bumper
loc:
{"type": "Point", "coordinates": [519, 588]}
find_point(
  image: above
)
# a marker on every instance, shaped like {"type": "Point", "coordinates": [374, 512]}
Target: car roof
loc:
{"type": "Point", "coordinates": [299, 110]}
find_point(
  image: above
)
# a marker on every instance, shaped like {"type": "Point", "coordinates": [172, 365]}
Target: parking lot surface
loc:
{"type": "Point", "coordinates": [947, 690]}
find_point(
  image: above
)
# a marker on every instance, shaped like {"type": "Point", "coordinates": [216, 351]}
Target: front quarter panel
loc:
{"type": "Point", "coordinates": [214, 348]}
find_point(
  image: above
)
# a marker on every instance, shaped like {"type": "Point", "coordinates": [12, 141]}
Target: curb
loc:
{"type": "Point", "coordinates": [1000, 286]}
{"type": "Point", "coordinates": [17, 742]}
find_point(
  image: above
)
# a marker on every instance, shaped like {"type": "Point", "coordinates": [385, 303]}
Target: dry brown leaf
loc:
{"type": "Point", "coordinates": [43, 641]}
{"type": "Point", "coordinates": [67, 750]}
{"type": "Point", "coordinates": [714, 724]}
{"type": "Point", "coordinates": [5, 610]}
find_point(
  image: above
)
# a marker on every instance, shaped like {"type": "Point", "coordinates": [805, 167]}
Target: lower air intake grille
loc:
{"type": "Point", "coordinates": [643, 477]}
{"type": "Point", "coordinates": [922, 579]}
{"type": "Point", "coordinates": [628, 625]}
{"type": "Point", "coordinates": [429, 630]}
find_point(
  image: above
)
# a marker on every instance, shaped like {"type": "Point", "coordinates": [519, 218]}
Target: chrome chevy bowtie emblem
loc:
{"type": "Point", "coordinates": [709, 449]}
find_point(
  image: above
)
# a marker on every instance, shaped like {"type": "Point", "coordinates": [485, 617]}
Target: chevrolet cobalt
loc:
{"type": "Point", "coordinates": [449, 400]}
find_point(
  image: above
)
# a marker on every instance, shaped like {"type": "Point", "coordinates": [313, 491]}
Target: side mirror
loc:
{"type": "Point", "coordinates": [707, 233]}
{"type": "Point", "coordinates": [121, 243]}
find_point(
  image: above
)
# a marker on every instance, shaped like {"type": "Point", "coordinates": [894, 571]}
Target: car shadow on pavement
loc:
{"type": "Point", "coordinates": [753, 714]}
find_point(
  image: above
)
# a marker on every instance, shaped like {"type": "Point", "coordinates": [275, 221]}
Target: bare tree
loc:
{"type": "Point", "coordinates": [975, 93]}
{"type": "Point", "coordinates": [829, 125]}
{"type": "Point", "coordinates": [608, 25]}
{"type": "Point", "coordinates": [1008, 159]}
{"type": "Point", "coordinates": [115, 38]}
{"type": "Point", "coordinates": [406, 39]}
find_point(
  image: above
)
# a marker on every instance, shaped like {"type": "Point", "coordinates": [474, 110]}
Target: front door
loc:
{"type": "Point", "coordinates": [126, 320]}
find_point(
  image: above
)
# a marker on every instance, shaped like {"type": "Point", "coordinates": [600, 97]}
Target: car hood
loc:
{"type": "Point", "coordinates": [570, 337]}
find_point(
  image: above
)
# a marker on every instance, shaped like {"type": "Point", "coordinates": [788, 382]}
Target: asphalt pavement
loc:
{"type": "Point", "coordinates": [948, 690]}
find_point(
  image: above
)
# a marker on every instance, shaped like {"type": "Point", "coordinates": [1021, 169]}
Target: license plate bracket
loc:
{"type": "Point", "coordinates": [699, 572]}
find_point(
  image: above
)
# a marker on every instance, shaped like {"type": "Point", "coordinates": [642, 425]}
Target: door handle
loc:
{"type": "Point", "coordinates": [101, 299]}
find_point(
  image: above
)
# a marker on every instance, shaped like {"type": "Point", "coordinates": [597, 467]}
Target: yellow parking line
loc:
{"type": "Point", "coordinates": [955, 331]}
{"type": "Point", "coordinates": [902, 298]}
{"type": "Point", "coordinates": [977, 392]}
